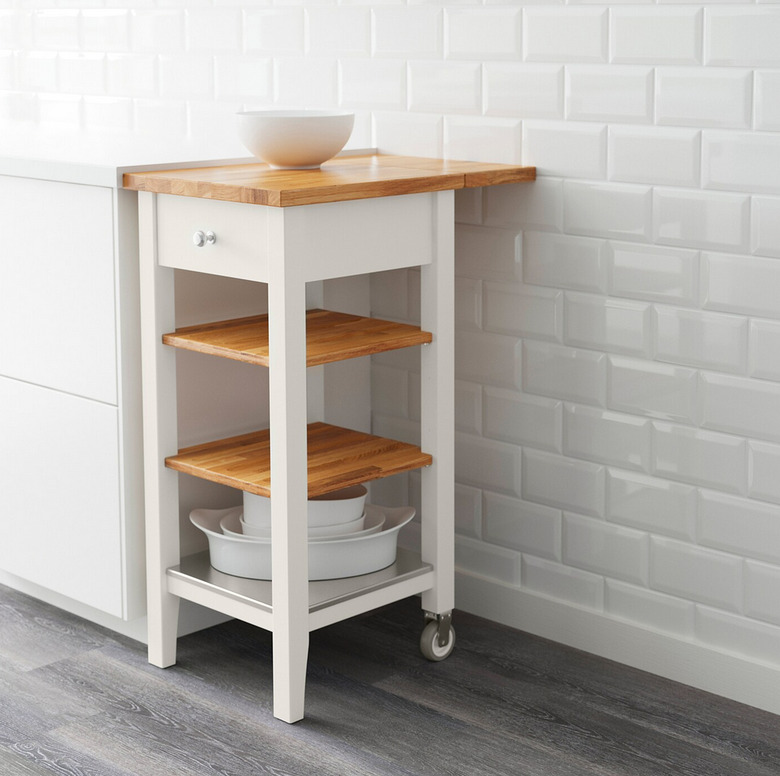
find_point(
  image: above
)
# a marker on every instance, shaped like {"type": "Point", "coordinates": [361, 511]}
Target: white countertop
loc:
{"type": "Point", "coordinates": [100, 158]}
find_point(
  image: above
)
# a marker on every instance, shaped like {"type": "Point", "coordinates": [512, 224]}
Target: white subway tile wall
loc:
{"type": "Point", "coordinates": [618, 321]}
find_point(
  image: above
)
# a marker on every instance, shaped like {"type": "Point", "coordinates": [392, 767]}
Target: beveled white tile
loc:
{"type": "Point", "coordinates": [524, 90]}
{"type": "Point", "coordinates": [764, 483]}
{"type": "Point", "coordinates": [7, 70]}
{"type": "Point", "coordinates": [491, 359]}
{"type": "Point", "coordinates": [155, 31]}
{"type": "Point", "coordinates": [468, 206]}
{"type": "Point", "coordinates": [487, 560]}
{"type": "Point", "coordinates": [243, 78]}
{"type": "Point", "coordinates": [703, 97]}
{"type": "Point", "coordinates": [56, 29]}
{"type": "Point", "coordinates": [741, 405]}
{"type": "Point", "coordinates": [765, 225]}
{"type": "Point", "coordinates": [701, 339]}
{"type": "Point", "coordinates": [741, 161]}
{"type": "Point", "coordinates": [389, 390]}
{"type": "Point", "coordinates": [488, 253]}
{"type": "Point", "coordinates": [468, 407]}
{"type": "Point", "coordinates": [522, 419]}
{"type": "Point", "coordinates": [739, 525]}
{"type": "Point", "coordinates": [668, 157]}
{"type": "Point", "coordinates": [483, 139]}
{"type": "Point", "coordinates": [653, 272]}
{"type": "Point", "coordinates": [522, 526]}
{"type": "Point", "coordinates": [340, 31]}
{"type": "Point", "coordinates": [555, 580]}
{"type": "Point", "coordinates": [767, 99]}
{"type": "Point", "coordinates": [273, 31]}
{"type": "Point", "coordinates": [656, 36]}
{"type": "Point", "coordinates": [486, 463]}
{"type": "Point", "coordinates": [312, 82]}
{"type": "Point", "coordinates": [570, 149]}
{"type": "Point", "coordinates": [468, 509]}
{"type": "Point", "coordinates": [733, 633]}
{"type": "Point", "coordinates": [564, 373]}
{"type": "Point", "coordinates": [606, 549]}
{"type": "Point", "coordinates": [650, 609]}
{"type": "Point", "coordinates": [401, 132]}
{"type": "Point", "coordinates": [37, 70]}
{"type": "Point", "coordinates": [529, 206]}
{"type": "Point", "coordinates": [701, 219]}
{"type": "Point", "coordinates": [604, 323]}
{"type": "Point", "coordinates": [571, 34]}
{"type": "Point", "coordinates": [742, 35]}
{"type": "Point", "coordinates": [563, 482]}
{"type": "Point", "coordinates": [389, 294]}
{"type": "Point", "coordinates": [209, 30]}
{"type": "Point", "coordinates": [468, 304]}
{"type": "Point", "coordinates": [607, 437]}
{"type": "Point", "coordinates": [741, 284]}
{"type": "Point", "coordinates": [151, 114]}
{"type": "Point", "coordinates": [764, 349]}
{"type": "Point", "coordinates": [762, 585]}
{"type": "Point", "coordinates": [564, 261]}
{"type": "Point", "coordinates": [483, 33]}
{"type": "Point", "coordinates": [445, 87]}
{"type": "Point", "coordinates": [609, 93]}
{"type": "Point", "coordinates": [185, 76]}
{"type": "Point", "coordinates": [653, 390]}
{"type": "Point", "coordinates": [82, 73]}
{"type": "Point", "coordinates": [651, 504]}
{"type": "Point", "coordinates": [707, 458]}
{"type": "Point", "coordinates": [695, 573]}
{"type": "Point", "coordinates": [105, 29]}
{"type": "Point", "coordinates": [610, 210]}
{"type": "Point", "coordinates": [108, 113]}
{"type": "Point", "coordinates": [402, 429]}
{"type": "Point", "coordinates": [406, 31]}
{"type": "Point", "coordinates": [372, 83]}
{"type": "Point", "coordinates": [523, 310]}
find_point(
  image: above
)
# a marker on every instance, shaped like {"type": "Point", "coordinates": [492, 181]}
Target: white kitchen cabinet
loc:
{"type": "Point", "coordinates": [286, 230]}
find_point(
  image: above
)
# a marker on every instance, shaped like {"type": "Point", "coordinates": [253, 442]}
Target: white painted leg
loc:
{"type": "Point", "coordinates": [437, 431]}
{"type": "Point", "coordinates": [160, 439]}
{"type": "Point", "coordinates": [289, 549]}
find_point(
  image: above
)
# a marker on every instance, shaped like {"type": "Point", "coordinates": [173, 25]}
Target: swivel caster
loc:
{"type": "Point", "coordinates": [438, 637]}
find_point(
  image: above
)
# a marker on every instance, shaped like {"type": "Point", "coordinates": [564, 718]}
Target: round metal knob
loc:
{"type": "Point", "coordinates": [202, 238]}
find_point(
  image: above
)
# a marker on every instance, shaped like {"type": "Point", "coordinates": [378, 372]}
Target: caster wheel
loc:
{"type": "Point", "coordinates": [429, 642]}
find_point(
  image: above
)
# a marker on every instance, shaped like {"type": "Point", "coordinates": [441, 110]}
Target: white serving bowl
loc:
{"type": "Point", "coordinates": [337, 529]}
{"type": "Point", "coordinates": [339, 506]}
{"type": "Point", "coordinates": [247, 556]}
{"type": "Point", "coordinates": [295, 139]}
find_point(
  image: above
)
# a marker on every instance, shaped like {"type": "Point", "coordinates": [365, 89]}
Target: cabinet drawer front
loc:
{"type": "Point", "coordinates": [57, 287]}
{"type": "Point", "coordinates": [59, 478]}
{"type": "Point", "coordinates": [241, 246]}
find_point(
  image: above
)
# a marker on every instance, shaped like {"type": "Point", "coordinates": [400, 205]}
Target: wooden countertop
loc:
{"type": "Point", "coordinates": [343, 178]}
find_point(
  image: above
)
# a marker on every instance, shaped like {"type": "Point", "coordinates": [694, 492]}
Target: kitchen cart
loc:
{"type": "Point", "coordinates": [359, 214]}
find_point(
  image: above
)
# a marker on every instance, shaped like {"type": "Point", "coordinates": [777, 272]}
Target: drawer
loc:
{"type": "Point", "coordinates": [241, 246]}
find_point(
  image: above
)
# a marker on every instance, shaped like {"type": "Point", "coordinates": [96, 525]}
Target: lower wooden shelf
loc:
{"type": "Point", "coordinates": [338, 457]}
{"type": "Point", "coordinates": [330, 601]}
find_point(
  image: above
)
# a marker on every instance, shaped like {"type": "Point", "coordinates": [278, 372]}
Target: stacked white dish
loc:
{"type": "Point", "coordinates": [240, 537]}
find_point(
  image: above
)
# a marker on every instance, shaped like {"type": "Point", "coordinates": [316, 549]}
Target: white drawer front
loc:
{"type": "Point", "coordinates": [57, 310]}
{"type": "Point", "coordinates": [241, 246]}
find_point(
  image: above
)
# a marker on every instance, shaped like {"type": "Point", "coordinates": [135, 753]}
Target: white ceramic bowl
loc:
{"type": "Point", "coordinates": [295, 139]}
{"type": "Point", "coordinates": [337, 529]}
{"type": "Point", "coordinates": [339, 506]}
{"type": "Point", "coordinates": [245, 556]}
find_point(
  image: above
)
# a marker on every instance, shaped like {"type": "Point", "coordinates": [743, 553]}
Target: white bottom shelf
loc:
{"type": "Point", "coordinates": [330, 601]}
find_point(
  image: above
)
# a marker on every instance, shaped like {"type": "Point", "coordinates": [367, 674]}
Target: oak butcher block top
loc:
{"type": "Point", "coordinates": [343, 178]}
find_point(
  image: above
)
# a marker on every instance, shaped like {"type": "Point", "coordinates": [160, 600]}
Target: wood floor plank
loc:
{"type": "Point", "coordinates": [504, 704]}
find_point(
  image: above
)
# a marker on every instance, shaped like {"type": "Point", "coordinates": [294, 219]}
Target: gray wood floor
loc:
{"type": "Point", "coordinates": [78, 700]}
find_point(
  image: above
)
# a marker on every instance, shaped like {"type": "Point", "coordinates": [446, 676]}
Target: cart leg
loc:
{"type": "Point", "coordinates": [290, 658]}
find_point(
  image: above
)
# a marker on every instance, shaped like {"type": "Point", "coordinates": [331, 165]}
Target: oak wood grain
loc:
{"type": "Point", "coordinates": [338, 457]}
{"type": "Point", "coordinates": [330, 336]}
{"type": "Point", "coordinates": [340, 179]}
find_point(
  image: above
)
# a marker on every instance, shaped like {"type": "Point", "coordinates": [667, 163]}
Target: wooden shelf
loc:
{"type": "Point", "coordinates": [338, 457]}
{"type": "Point", "coordinates": [329, 337]}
